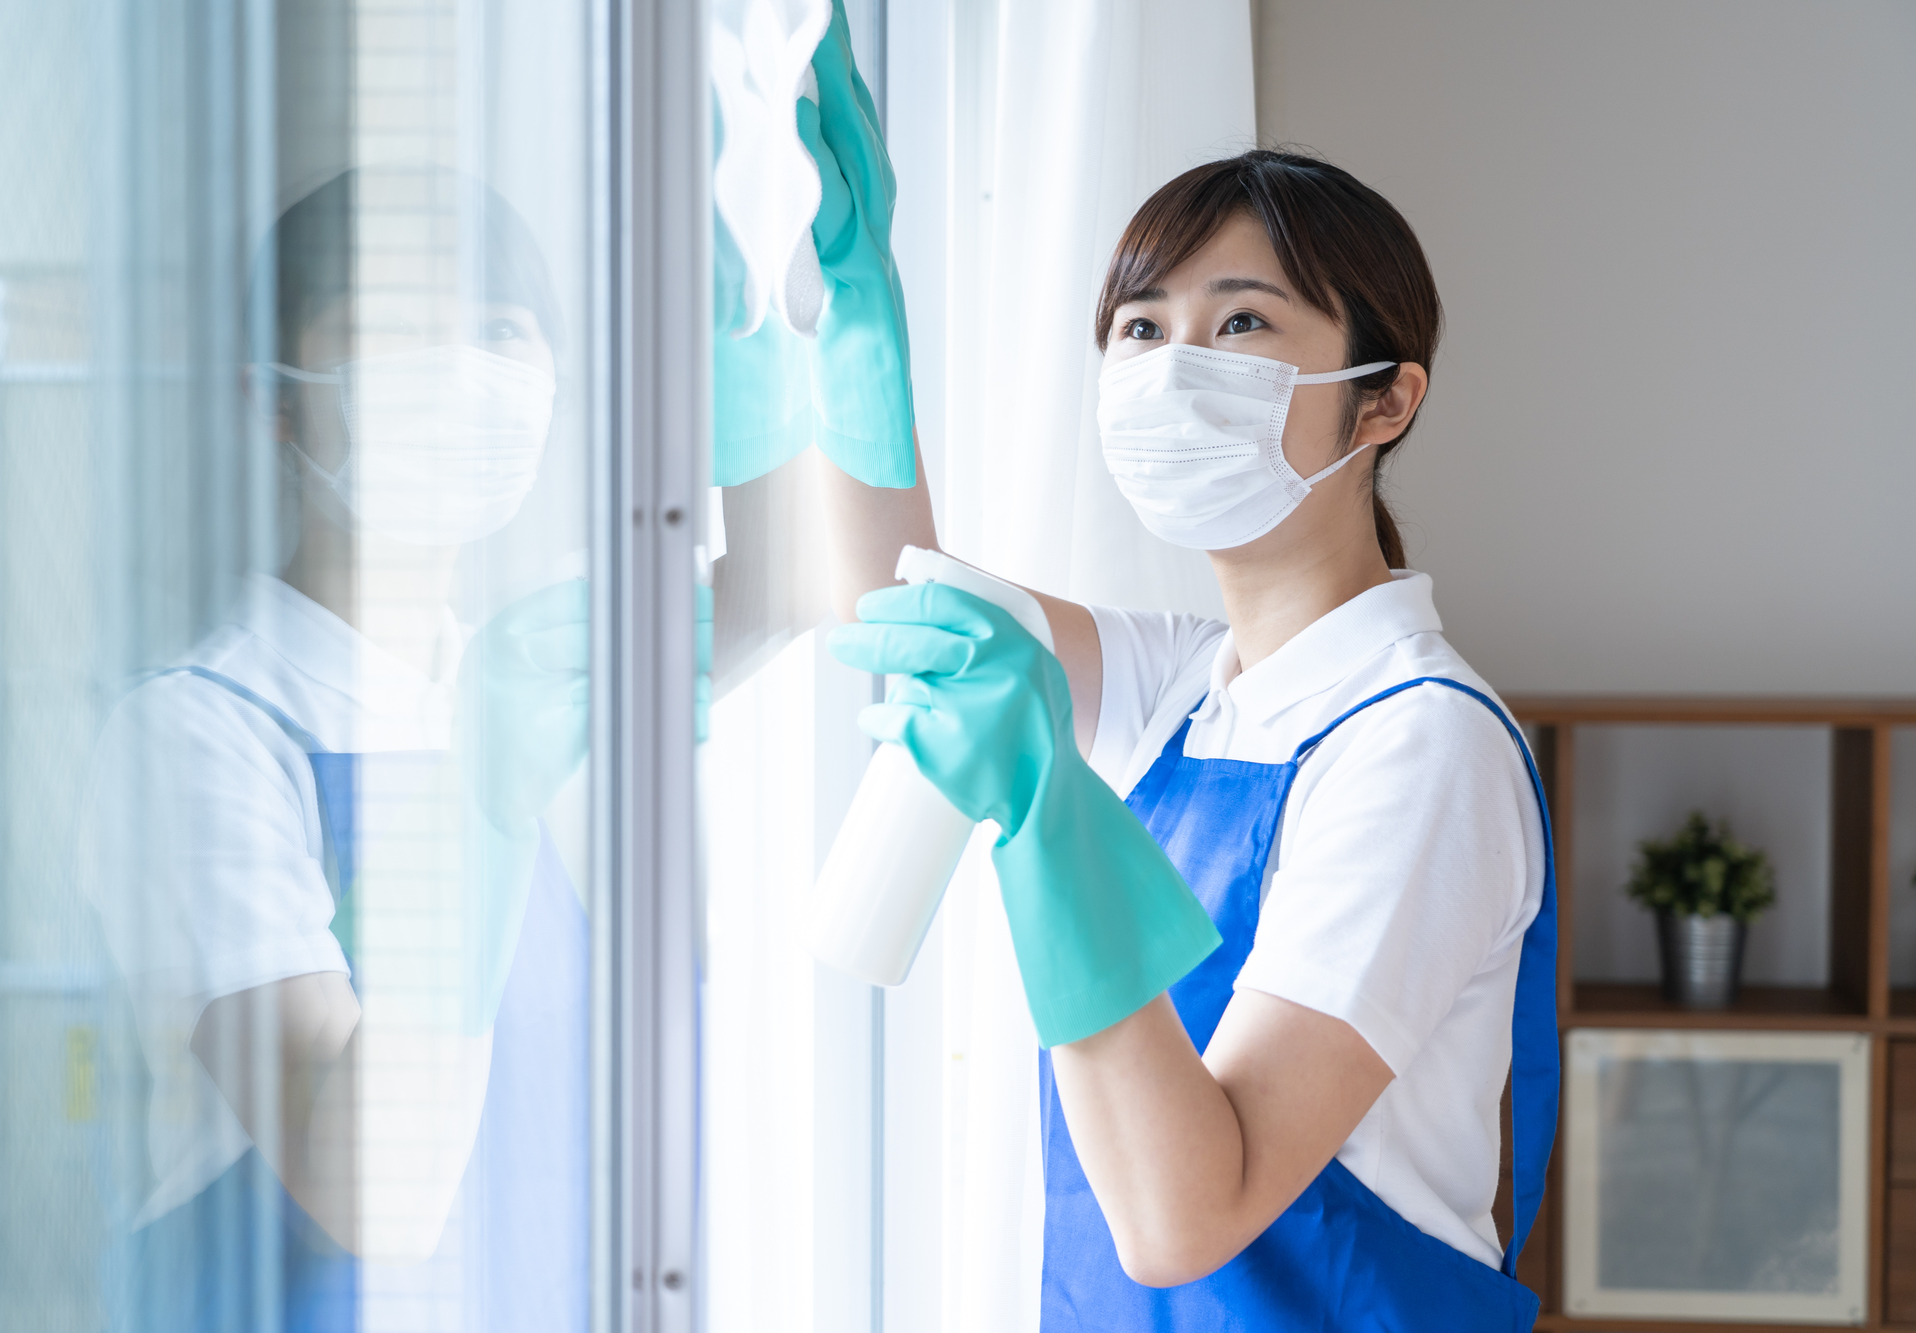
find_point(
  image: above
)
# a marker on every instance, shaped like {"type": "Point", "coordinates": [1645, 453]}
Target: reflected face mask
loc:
{"type": "Point", "coordinates": [1194, 438]}
{"type": "Point", "coordinates": [444, 442]}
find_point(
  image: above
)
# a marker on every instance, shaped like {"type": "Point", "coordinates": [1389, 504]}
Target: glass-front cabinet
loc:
{"type": "Point", "coordinates": [1748, 1165]}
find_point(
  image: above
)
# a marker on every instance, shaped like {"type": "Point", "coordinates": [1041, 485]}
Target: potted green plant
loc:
{"type": "Point", "coordinates": [1706, 888]}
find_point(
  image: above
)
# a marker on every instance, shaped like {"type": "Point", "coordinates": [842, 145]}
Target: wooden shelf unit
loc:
{"type": "Point", "coordinates": [1858, 997]}
{"type": "Point", "coordinates": [1771, 1008]}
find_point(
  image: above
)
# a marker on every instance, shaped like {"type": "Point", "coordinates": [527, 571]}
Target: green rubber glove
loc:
{"type": "Point", "coordinates": [1100, 919]}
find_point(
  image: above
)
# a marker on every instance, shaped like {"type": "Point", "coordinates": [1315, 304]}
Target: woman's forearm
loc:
{"type": "Point", "coordinates": [366, 1102]}
{"type": "Point", "coordinates": [368, 1125]}
{"type": "Point", "coordinates": [1191, 1158]}
{"type": "Point", "coordinates": [867, 526]}
{"type": "Point", "coordinates": [1159, 1141]}
{"type": "Point", "coordinates": [391, 1136]}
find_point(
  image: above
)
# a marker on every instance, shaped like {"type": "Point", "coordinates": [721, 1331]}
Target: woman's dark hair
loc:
{"type": "Point", "coordinates": [1346, 251]}
{"type": "Point", "coordinates": [309, 258]}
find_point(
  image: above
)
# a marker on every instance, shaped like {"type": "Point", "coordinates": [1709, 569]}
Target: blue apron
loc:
{"type": "Point", "coordinates": [243, 1257]}
{"type": "Point", "coordinates": [1338, 1258]}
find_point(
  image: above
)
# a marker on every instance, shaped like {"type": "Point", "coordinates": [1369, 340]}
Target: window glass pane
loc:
{"type": "Point", "coordinates": [296, 430]}
{"type": "Point", "coordinates": [822, 1097]}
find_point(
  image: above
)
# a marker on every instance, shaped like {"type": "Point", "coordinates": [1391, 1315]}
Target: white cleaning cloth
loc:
{"type": "Point", "coordinates": [766, 184]}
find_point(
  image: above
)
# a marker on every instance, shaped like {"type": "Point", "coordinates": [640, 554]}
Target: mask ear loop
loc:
{"type": "Point", "coordinates": [1335, 377]}
{"type": "Point", "coordinates": [1350, 373]}
{"type": "Point", "coordinates": [334, 481]}
{"type": "Point", "coordinates": [1318, 476]}
{"type": "Point", "coordinates": [337, 378]}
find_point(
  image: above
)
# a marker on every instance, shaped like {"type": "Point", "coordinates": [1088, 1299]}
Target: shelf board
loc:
{"type": "Point", "coordinates": [1563, 1323]}
{"type": "Point", "coordinates": [1723, 709]}
{"type": "Point", "coordinates": [1614, 1005]}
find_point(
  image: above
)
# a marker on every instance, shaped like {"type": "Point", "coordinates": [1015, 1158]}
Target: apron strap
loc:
{"type": "Point", "coordinates": [1535, 1071]}
{"type": "Point", "coordinates": [300, 736]}
{"type": "Point", "coordinates": [1157, 777]}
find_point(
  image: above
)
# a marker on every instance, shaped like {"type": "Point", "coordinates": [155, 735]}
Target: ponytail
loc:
{"type": "Point", "coordinates": [1388, 538]}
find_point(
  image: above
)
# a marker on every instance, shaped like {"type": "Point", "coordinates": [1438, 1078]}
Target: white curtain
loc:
{"type": "Point", "coordinates": [1065, 115]}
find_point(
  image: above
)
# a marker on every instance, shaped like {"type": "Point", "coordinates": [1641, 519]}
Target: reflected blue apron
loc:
{"type": "Point", "coordinates": [243, 1257]}
{"type": "Point", "coordinates": [1338, 1258]}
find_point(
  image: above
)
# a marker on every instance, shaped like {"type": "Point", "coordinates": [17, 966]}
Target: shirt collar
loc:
{"type": "Point", "coordinates": [321, 645]}
{"type": "Point", "coordinates": [1327, 651]}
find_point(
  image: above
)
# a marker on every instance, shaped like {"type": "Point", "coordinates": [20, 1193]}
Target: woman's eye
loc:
{"type": "Point", "coordinates": [500, 330]}
{"type": "Point", "coordinates": [1243, 322]}
{"type": "Point", "coordinates": [1142, 329]}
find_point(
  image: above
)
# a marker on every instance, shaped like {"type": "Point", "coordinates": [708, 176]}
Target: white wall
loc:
{"type": "Point", "coordinates": [1669, 444]}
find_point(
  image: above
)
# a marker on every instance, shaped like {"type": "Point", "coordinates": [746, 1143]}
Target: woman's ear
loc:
{"type": "Point", "coordinates": [1388, 415]}
{"type": "Point", "coordinates": [271, 401]}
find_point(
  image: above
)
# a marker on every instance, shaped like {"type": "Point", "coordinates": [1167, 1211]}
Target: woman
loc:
{"type": "Point", "coordinates": [1271, 1098]}
{"type": "Point", "coordinates": [357, 963]}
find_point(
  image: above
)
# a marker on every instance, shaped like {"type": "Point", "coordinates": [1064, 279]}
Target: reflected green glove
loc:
{"type": "Point", "coordinates": [861, 366]}
{"type": "Point", "coordinates": [523, 695]}
{"type": "Point", "coordinates": [1100, 918]}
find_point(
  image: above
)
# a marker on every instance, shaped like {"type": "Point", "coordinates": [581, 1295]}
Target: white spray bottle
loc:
{"type": "Point", "coordinates": [901, 840]}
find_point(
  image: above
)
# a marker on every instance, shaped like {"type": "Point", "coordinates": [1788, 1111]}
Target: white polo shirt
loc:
{"type": "Point", "coordinates": [1408, 865]}
{"type": "Point", "coordinates": [200, 845]}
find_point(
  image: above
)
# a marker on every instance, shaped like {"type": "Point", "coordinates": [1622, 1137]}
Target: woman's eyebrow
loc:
{"type": "Point", "coordinates": [1226, 286]}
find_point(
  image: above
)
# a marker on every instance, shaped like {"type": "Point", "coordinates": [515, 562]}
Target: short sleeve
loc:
{"type": "Point", "coordinates": [198, 846]}
{"type": "Point", "coordinates": [1153, 660]}
{"type": "Point", "coordinates": [1411, 860]}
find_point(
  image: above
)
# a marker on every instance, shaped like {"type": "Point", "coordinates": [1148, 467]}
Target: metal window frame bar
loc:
{"type": "Point", "coordinates": [657, 370]}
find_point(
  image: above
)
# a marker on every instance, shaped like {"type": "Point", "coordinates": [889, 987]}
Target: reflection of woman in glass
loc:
{"type": "Point", "coordinates": [357, 962]}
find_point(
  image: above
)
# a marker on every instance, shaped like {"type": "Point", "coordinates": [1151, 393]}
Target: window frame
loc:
{"type": "Point", "coordinates": [652, 173]}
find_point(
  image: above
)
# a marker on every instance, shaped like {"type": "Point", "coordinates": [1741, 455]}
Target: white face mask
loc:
{"type": "Point", "coordinates": [1194, 437]}
{"type": "Point", "coordinates": [443, 442]}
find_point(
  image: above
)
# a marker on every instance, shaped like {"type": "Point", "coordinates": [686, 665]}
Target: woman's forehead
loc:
{"type": "Point", "coordinates": [1238, 257]}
